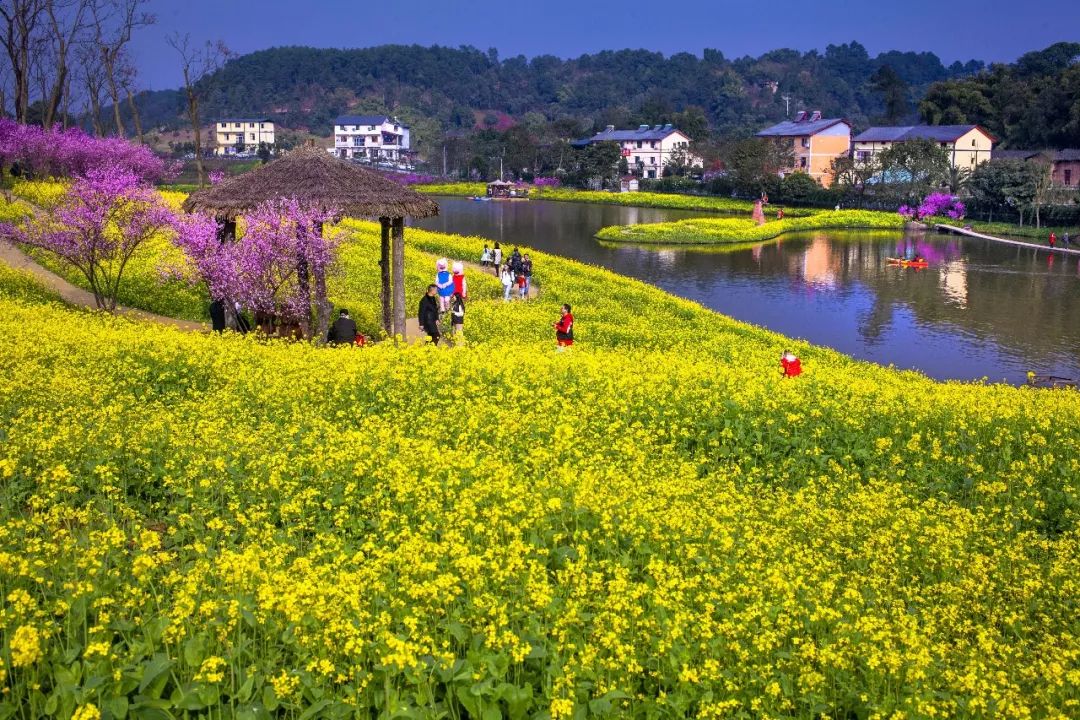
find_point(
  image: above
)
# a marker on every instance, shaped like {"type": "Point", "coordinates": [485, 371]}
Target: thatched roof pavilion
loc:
{"type": "Point", "coordinates": [313, 175]}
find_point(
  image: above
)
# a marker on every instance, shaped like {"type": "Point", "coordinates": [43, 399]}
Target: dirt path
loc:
{"type": "Point", "coordinates": [74, 295]}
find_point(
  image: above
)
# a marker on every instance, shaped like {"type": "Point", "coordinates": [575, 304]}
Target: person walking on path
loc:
{"type": "Point", "coordinates": [564, 329]}
{"type": "Point", "coordinates": [507, 279]}
{"type": "Point", "coordinates": [515, 261]}
{"type": "Point", "coordinates": [1053, 239]}
{"type": "Point", "coordinates": [428, 314]}
{"type": "Point", "coordinates": [485, 257]}
{"type": "Point", "coordinates": [496, 258]}
{"type": "Point", "coordinates": [457, 314]}
{"type": "Point", "coordinates": [217, 316]}
{"type": "Point", "coordinates": [526, 270]}
{"type": "Point", "coordinates": [343, 331]}
{"type": "Point", "coordinates": [444, 282]}
{"type": "Point", "coordinates": [1065, 239]}
{"type": "Point", "coordinates": [460, 286]}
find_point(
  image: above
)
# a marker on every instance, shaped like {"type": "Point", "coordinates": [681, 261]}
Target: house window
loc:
{"type": "Point", "coordinates": [806, 142]}
{"type": "Point", "coordinates": [653, 160]}
{"type": "Point", "coordinates": [639, 144]}
{"type": "Point", "coordinates": [251, 135]}
{"type": "Point", "coordinates": [1068, 177]}
{"type": "Point", "coordinates": [236, 125]}
{"type": "Point", "coordinates": [972, 142]}
{"type": "Point", "coordinates": [371, 127]}
{"type": "Point", "coordinates": [637, 158]}
{"type": "Point", "coordinates": [802, 162]}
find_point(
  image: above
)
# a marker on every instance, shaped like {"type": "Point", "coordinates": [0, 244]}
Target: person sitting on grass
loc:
{"type": "Point", "coordinates": [790, 365]}
{"type": "Point", "coordinates": [343, 331]}
{"type": "Point", "coordinates": [564, 329]}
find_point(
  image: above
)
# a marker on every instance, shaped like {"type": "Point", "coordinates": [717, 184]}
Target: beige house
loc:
{"type": "Point", "coordinates": [816, 142]}
{"type": "Point", "coordinates": [649, 149]}
{"type": "Point", "coordinates": [967, 145]}
{"type": "Point", "coordinates": [373, 138]}
{"type": "Point", "coordinates": [233, 133]}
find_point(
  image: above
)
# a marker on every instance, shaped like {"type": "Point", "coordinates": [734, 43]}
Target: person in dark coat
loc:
{"type": "Point", "coordinates": [217, 316]}
{"type": "Point", "coordinates": [343, 331]}
{"type": "Point", "coordinates": [428, 314]}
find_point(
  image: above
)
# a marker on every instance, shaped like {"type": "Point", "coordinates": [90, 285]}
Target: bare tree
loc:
{"type": "Point", "coordinates": [93, 79]}
{"type": "Point", "coordinates": [127, 75]}
{"type": "Point", "coordinates": [66, 21]}
{"type": "Point", "coordinates": [114, 21]}
{"type": "Point", "coordinates": [21, 22]}
{"type": "Point", "coordinates": [197, 62]}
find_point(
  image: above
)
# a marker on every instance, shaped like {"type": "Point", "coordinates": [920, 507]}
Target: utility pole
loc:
{"type": "Point", "coordinates": [444, 159]}
{"type": "Point", "coordinates": [787, 104]}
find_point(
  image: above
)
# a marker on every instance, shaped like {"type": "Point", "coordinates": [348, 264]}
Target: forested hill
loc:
{"type": "Point", "coordinates": [465, 87]}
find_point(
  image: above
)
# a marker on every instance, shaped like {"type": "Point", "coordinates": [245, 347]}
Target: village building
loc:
{"type": "Point", "coordinates": [967, 145]}
{"type": "Point", "coordinates": [815, 141]}
{"type": "Point", "coordinates": [236, 135]}
{"type": "Point", "coordinates": [1065, 163]}
{"type": "Point", "coordinates": [373, 138]}
{"type": "Point", "coordinates": [649, 149]}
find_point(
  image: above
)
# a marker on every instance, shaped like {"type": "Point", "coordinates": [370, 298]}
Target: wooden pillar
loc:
{"type": "Point", "coordinates": [398, 237]}
{"type": "Point", "coordinates": [322, 302]}
{"type": "Point", "coordinates": [384, 268]}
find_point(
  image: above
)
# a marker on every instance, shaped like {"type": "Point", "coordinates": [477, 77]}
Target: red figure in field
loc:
{"type": "Point", "coordinates": [791, 366]}
{"type": "Point", "coordinates": [460, 286]}
{"type": "Point", "coordinates": [564, 329]}
{"type": "Point", "coordinates": [1053, 239]}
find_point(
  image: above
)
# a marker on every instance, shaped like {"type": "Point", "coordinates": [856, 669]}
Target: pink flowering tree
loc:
{"type": "Point", "coordinates": [55, 152]}
{"type": "Point", "coordinates": [935, 205]}
{"type": "Point", "coordinates": [97, 227]}
{"type": "Point", "coordinates": [277, 268]}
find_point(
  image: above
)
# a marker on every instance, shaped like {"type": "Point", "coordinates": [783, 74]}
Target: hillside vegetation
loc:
{"type": "Point", "coordinates": [651, 524]}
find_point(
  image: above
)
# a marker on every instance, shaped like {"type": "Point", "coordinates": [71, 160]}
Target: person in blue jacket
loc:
{"type": "Point", "coordinates": [444, 282]}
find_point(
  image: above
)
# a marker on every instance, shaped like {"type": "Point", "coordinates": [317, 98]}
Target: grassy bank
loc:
{"type": "Point", "coordinates": [709, 231]}
{"type": "Point", "coordinates": [653, 524]}
{"type": "Point", "coordinates": [1008, 230]}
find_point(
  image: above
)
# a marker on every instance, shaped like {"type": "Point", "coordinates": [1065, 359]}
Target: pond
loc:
{"type": "Point", "coordinates": [980, 310]}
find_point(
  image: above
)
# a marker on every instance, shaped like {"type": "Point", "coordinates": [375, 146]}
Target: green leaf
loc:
{"type": "Point", "coordinates": [194, 652]}
{"type": "Point", "coordinates": [492, 712]}
{"type": "Point", "coordinates": [469, 701]}
{"type": "Point", "coordinates": [117, 707]}
{"type": "Point", "coordinates": [52, 703]}
{"type": "Point", "coordinates": [244, 693]}
{"type": "Point", "coordinates": [270, 698]}
{"type": "Point", "coordinates": [313, 710]}
{"type": "Point", "coordinates": [158, 665]}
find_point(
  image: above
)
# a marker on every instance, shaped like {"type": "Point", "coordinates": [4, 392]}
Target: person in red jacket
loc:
{"type": "Point", "coordinates": [1053, 239]}
{"type": "Point", "coordinates": [791, 366]}
{"type": "Point", "coordinates": [564, 329]}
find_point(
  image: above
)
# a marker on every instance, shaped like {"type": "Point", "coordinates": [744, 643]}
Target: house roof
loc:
{"type": "Point", "coordinates": [900, 133]}
{"type": "Point", "coordinates": [799, 128]}
{"type": "Point", "coordinates": [643, 132]}
{"type": "Point", "coordinates": [1066, 155]}
{"type": "Point", "coordinates": [366, 120]}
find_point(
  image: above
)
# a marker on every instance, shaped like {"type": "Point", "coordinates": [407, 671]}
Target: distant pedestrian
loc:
{"type": "Point", "coordinates": [428, 314]}
{"type": "Point", "coordinates": [780, 214]}
{"type": "Point", "coordinates": [515, 261]}
{"type": "Point", "coordinates": [526, 270]}
{"type": "Point", "coordinates": [343, 331]}
{"type": "Point", "coordinates": [523, 288]}
{"type": "Point", "coordinates": [1053, 239]}
{"type": "Point", "coordinates": [485, 257]}
{"type": "Point", "coordinates": [564, 329]}
{"type": "Point", "coordinates": [457, 314]}
{"type": "Point", "coordinates": [444, 282]}
{"type": "Point", "coordinates": [1065, 239]}
{"type": "Point", "coordinates": [507, 278]}
{"type": "Point", "coordinates": [790, 365]}
{"type": "Point", "coordinates": [496, 258]}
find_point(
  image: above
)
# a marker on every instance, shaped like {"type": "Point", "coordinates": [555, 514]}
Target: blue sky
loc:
{"type": "Point", "coordinates": [991, 30]}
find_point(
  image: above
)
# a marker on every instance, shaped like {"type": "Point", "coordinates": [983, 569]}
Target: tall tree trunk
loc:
{"type": "Point", "coordinates": [135, 115]}
{"type": "Point", "coordinates": [114, 95]}
{"type": "Point", "coordinates": [398, 238]}
{"type": "Point", "coordinates": [384, 268]}
{"type": "Point", "coordinates": [193, 115]}
{"type": "Point", "coordinates": [303, 281]}
{"type": "Point", "coordinates": [322, 303]}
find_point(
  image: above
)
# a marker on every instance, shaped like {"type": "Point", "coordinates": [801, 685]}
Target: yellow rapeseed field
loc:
{"type": "Point", "coordinates": [651, 524]}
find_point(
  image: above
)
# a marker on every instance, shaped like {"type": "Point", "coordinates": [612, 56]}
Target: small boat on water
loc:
{"type": "Point", "coordinates": [902, 262]}
{"type": "Point", "coordinates": [1050, 381]}
{"type": "Point", "coordinates": [477, 198]}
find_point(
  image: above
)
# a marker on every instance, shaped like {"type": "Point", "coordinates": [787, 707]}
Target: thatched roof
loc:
{"type": "Point", "coordinates": [313, 175]}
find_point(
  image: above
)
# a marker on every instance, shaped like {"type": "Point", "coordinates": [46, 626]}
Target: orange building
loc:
{"type": "Point", "coordinates": [816, 142]}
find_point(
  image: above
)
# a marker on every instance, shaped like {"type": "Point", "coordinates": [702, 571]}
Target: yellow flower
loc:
{"type": "Point", "coordinates": [25, 646]}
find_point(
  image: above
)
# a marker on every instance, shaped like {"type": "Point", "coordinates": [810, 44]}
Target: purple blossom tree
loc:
{"type": "Point", "coordinates": [935, 205]}
{"type": "Point", "coordinates": [278, 268]}
{"type": "Point", "coordinates": [100, 223]}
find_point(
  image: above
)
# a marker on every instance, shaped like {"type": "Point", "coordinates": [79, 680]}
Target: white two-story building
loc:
{"type": "Point", "coordinates": [375, 138]}
{"type": "Point", "coordinates": [648, 150]}
{"type": "Point", "coordinates": [247, 133]}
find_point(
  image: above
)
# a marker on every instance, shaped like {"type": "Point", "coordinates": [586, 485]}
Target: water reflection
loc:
{"type": "Point", "coordinates": [980, 309]}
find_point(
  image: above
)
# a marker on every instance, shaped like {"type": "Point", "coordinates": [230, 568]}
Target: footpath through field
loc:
{"type": "Point", "coordinates": [74, 295]}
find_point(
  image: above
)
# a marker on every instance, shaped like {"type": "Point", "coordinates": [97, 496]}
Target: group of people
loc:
{"type": "Point", "coordinates": [516, 272]}
{"type": "Point", "coordinates": [1064, 239]}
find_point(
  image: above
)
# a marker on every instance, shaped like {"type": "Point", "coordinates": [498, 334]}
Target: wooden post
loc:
{"type": "Point", "coordinates": [398, 233]}
{"type": "Point", "coordinates": [384, 267]}
{"type": "Point", "coordinates": [322, 303]}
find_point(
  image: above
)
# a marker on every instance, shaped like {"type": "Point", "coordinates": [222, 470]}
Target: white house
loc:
{"type": "Point", "coordinates": [371, 137]}
{"type": "Point", "coordinates": [966, 145]}
{"type": "Point", "coordinates": [648, 150]}
{"type": "Point", "coordinates": [231, 133]}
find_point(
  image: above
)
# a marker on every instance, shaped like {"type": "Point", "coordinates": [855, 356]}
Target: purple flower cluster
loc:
{"type": "Point", "coordinates": [72, 153]}
{"type": "Point", "coordinates": [549, 182]}
{"type": "Point", "coordinates": [411, 178]}
{"type": "Point", "coordinates": [259, 269]}
{"type": "Point", "coordinates": [935, 205]}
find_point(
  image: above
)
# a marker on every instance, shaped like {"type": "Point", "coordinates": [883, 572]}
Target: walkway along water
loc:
{"type": "Point", "coordinates": [942, 227]}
